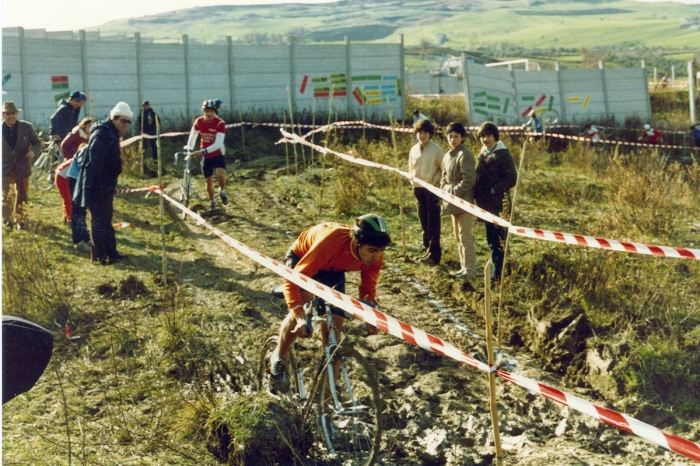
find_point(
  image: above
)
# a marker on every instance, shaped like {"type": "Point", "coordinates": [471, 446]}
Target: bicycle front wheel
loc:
{"type": "Point", "coordinates": [43, 171]}
{"type": "Point", "coordinates": [186, 192]}
{"type": "Point", "coordinates": [349, 411]}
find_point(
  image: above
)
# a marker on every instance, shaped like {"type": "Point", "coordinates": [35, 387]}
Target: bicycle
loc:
{"type": "Point", "coordinates": [45, 166]}
{"type": "Point", "coordinates": [186, 186]}
{"type": "Point", "coordinates": [549, 118]}
{"type": "Point", "coordinates": [344, 396]}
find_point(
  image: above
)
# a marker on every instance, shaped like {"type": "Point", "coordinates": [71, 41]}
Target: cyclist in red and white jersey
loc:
{"type": "Point", "coordinates": [211, 129]}
{"type": "Point", "coordinates": [591, 131]}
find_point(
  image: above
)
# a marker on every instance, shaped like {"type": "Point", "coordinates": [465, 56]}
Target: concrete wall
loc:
{"type": "Point", "coordinates": [176, 78]}
{"type": "Point", "coordinates": [426, 83]}
{"type": "Point", "coordinates": [580, 95]}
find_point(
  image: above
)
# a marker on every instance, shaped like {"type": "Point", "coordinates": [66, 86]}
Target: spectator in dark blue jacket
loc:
{"type": "Point", "coordinates": [495, 176]}
{"type": "Point", "coordinates": [101, 165]}
{"type": "Point", "coordinates": [65, 118]}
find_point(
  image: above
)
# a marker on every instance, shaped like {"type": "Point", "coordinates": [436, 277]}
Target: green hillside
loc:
{"type": "Point", "coordinates": [467, 24]}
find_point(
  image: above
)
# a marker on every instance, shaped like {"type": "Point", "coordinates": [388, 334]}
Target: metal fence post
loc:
{"type": "Point", "coordinates": [23, 72]}
{"type": "Point", "coordinates": [292, 72]}
{"type": "Point", "coordinates": [402, 86]}
{"type": "Point", "coordinates": [562, 105]}
{"type": "Point", "coordinates": [84, 60]}
{"type": "Point", "coordinates": [139, 69]}
{"type": "Point", "coordinates": [186, 50]}
{"type": "Point", "coordinates": [231, 84]}
{"type": "Point", "coordinates": [691, 90]}
{"type": "Point", "coordinates": [348, 77]}
{"type": "Point", "coordinates": [605, 87]}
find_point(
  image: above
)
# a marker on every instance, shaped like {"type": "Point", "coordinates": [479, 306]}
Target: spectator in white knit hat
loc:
{"type": "Point", "coordinates": [101, 165]}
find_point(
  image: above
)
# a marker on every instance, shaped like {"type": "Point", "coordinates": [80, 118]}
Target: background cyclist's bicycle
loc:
{"type": "Point", "coordinates": [45, 165]}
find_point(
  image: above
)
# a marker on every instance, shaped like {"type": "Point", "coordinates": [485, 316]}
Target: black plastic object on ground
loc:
{"type": "Point", "coordinates": [26, 351]}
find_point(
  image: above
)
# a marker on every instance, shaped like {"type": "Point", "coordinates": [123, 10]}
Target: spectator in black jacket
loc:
{"type": "Point", "coordinates": [146, 123]}
{"type": "Point", "coordinates": [101, 165]}
{"type": "Point", "coordinates": [495, 176]}
{"type": "Point", "coordinates": [65, 118]}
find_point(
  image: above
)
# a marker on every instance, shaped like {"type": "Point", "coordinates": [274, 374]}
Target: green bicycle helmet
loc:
{"type": "Point", "coordinates": [371, 229]}
{"type": "Point", "coordinates": [210, 105]}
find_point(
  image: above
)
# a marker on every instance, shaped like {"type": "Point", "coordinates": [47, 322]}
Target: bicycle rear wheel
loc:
{"type": "Point", "coordinates": [661, 124]}
{"type": "Point", "coordinates": [287, 383]}
{"type": "Point", "coordinates": [349, 415]}
{"type": "Point", "coordinates": [550, 117]}
{"type": "Point", "coordinates": [43, 170]}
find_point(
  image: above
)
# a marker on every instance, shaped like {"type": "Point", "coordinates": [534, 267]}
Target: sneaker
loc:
{"type": "Point", "coordinates": [83, 247]}
{"type": "Point", "coordinates": [276, 366]}
{"type": "Point", "coordinates": [457, 273]}
{"type": "Point", "coordinates": [212, 204]}
{"type": "Point", "coordinates": [428, 261]}
{"type": "Point", "coordinates": [224, 198]}
{"type": "Point", "coordinates": [278, 373]}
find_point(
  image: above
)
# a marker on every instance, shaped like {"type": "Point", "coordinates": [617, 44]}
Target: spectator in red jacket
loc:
{"type": "Point", "coordinates": [78, 135]}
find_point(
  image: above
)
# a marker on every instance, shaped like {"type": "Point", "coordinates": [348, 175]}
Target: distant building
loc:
{"type": "Point", "coordinates": [440, 38]}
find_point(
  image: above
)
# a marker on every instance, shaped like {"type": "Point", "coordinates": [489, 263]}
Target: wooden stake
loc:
{"type": "Point", "coordinates": [240, 119]}
{"type": "Point", "coordinates": [313, 127]}
{"type": "Point", "coordinates": [143, 169]}
{"type": "Point", "coordinates": [286, 146]}
{"type": "Point", "coordinates": [491, 361]}
{"type": "Point", "coordinates": [162, 207]}
{"type": "Point", "coordinates": [323, 156]}
{"type": "Point", "coordinates": [505, 247]}
{"type": "Point", "coordinates": [398, 178]}
{"type": "Point", "coordinates": [294, 147]}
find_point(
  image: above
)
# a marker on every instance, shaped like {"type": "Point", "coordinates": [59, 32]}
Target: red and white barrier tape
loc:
{"type": "Point", "coordinates": [611, 141]}
{"type": "Point", "coordinates": [568, 238]}
{"type": "Point", "coordinates": [621, 421]}
{"type": "Point", "coordinates": [135, 190]}
{"type": "Point", "coordinates": [418, 337]}
{"type": "Point", "coordinates": [603, 243]}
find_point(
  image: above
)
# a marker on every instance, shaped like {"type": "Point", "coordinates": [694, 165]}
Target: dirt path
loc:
{"type": "Point", "coordinates": [436, 409]}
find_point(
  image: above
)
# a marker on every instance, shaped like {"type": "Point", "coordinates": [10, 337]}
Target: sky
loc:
{"type": "Point", "coordinates": [67, 15]}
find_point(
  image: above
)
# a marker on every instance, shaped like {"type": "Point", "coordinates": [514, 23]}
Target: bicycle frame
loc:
{"type": "Point", "coordinates": [186, 186]}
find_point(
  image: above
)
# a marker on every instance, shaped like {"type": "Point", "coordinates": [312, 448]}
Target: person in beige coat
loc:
{"type": "Point", "coordinates": [20, 145]}
{"type": "Point", "coordinates": [425, 163]}
{"type": "Point", "coordinates": [458, 178]}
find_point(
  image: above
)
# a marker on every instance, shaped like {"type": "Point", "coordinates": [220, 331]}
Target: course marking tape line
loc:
{"type": "Point", "coordinates": [467, 206]}
{"type": "Point", "coordinates": [621, 421]}
{"type": "Point", "coordinates": [134, 190]}
{"type": "Point", "coordinates": [568, 238]}
{"type": "Point", "coordinates": [418, 337]}
{"type": "Point", "coordinates": [611, 141]}
{"type": "Point", "coordinates": [603, 243]}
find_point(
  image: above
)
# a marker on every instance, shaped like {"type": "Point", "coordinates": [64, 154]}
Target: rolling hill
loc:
{"type": "Point", "coordinates": [465, 24]}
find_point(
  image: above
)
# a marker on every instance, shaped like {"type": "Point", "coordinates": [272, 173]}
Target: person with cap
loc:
{"type": "Point", "coordinates": [20, 145]}
{"type": "Point", "coordinates": [417, 116]}
{"type": "Point", "coordinates": [101, 165]}
{"type": "Point", "coordinates": [65, 118]}
{"type": "Point", "coordinates": [651, 135]}
{"type": "Point", "coordinates": [211, 129]}
{"type": "Point", "coordinates": [536, 123]}
{"type": "Point", "coordinates": [324, 253]}
{"type": "Point", "coordinates": [148, 123]}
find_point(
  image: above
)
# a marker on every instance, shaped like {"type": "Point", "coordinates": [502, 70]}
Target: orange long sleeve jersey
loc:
{"type": "Point", "coordinates": [328, 247]}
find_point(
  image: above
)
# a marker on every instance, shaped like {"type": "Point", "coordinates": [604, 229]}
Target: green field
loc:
{"type": "Point", "coordinates": [467, 25]}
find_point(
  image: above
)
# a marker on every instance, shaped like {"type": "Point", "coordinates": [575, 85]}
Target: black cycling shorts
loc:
{"type": "Point", "coordinates": [208, 165]}
{"type": "Point", "coordinates": [335, 280]}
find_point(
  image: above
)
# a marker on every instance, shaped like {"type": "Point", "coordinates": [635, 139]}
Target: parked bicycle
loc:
{"type": "Point", "coordinates": [344, 396]}
{"type": "Point", "coordinates": [186, 186]}
{"type": "Point", "coordinates": [43, 173]}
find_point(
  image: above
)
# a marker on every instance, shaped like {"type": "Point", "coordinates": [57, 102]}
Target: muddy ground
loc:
{"type": "Point", "coordinates": [437, 410]}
